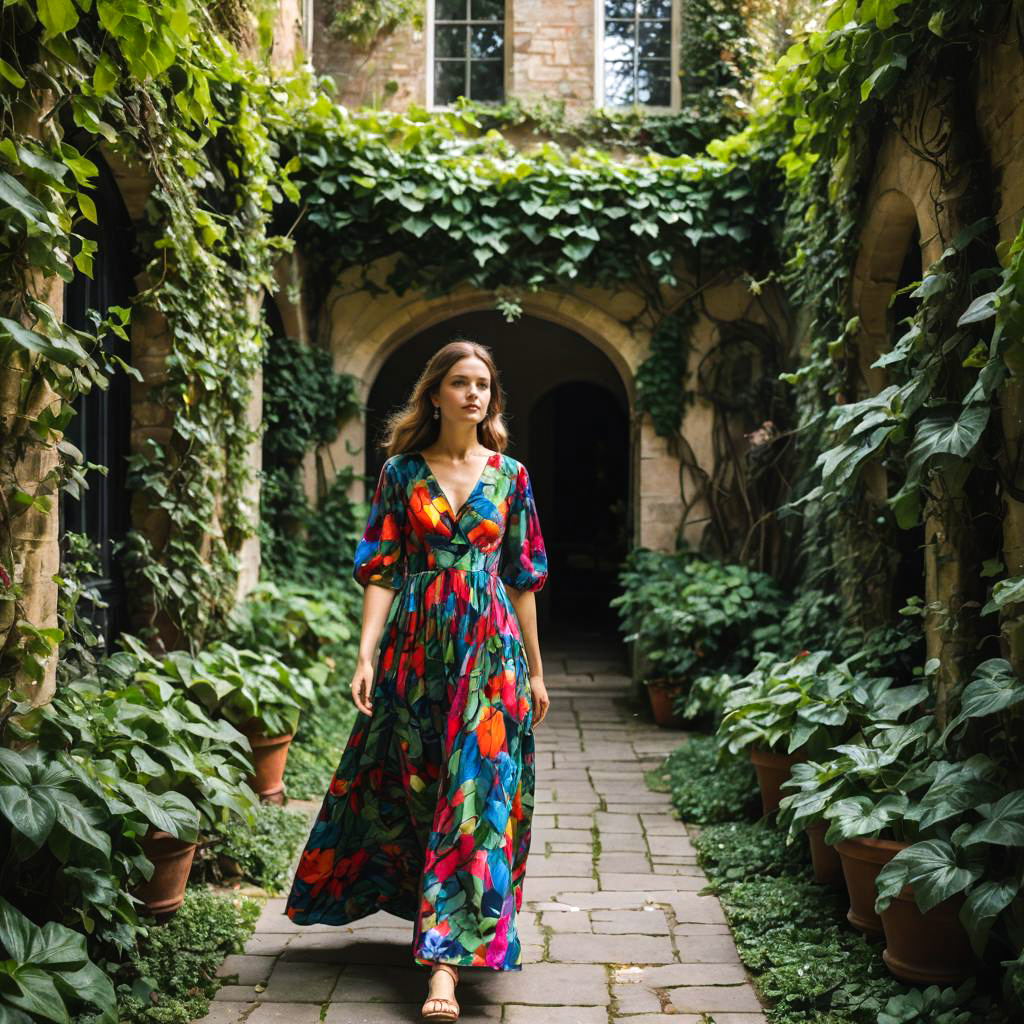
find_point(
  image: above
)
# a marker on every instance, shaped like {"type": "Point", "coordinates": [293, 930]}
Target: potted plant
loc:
{"type": "Point", "coordinates": [940, 897]}
{"type": "Point", "coordinates": [786, 711]}
{"type": "Point", "coordinates": [156, 760]}
{"type": "Point", "coordinates": [254, 691]}
{"type": "Point", "coordinates": [864, 793]}
{"type": "Point", "coordinates": [689, 616]}
{"type": "Point", "coordinates": [870, 705]}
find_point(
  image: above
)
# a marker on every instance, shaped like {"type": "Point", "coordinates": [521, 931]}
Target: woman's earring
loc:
{"type": "Point", "coordinates": [437, 413]}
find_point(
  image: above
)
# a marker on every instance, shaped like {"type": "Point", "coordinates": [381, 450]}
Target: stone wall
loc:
{"type": "Point", "coordinates": [391, 73]}
{"type": "Point", "coordinates": [549, 53]}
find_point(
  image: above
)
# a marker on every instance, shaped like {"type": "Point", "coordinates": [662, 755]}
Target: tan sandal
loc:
{"type": "Point", "coordinates": [445, 1012]}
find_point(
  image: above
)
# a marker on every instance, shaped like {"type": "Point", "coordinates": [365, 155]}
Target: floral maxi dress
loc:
{"type": "Point", "coordinates": [428, 815]}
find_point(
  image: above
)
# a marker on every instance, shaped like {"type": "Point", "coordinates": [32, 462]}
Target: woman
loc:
{"type": "Point", "coordinates": [429, 813]}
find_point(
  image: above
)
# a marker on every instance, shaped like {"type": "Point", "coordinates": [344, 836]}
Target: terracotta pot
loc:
{"type": "Point", "coordinates": [862, 859]}
{"type": "Point", "coordinates": [828, 868]}
{"type": "Point", "coordinates": [927, 949]}
{"type": "Point", "coordinates": [172, 860]}
{"type": "Point", "coordinates": [662, 696]}
{"type": "Point", "coordinates": [269, 754]}
{"type": "Point", "coordinates": [772, 771]}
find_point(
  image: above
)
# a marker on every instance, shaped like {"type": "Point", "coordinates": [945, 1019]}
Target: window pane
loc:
{"type": "Point", "coordinates": [653, 83]}
{"type": "Point", "coordinates": [618, 83]}
{"type": "Point", "coordinates": [449, 81]}
{"type": "Point", "coordinates": [451, 10]}
{"type": "Point", "coordinates": [450, 41]}
{"type": "Point", "coordinates": [620, 8]}
{"type": "Point", "coordinates": [487, 10]}
{"type": "Point", "coordinates": [655, 39]}
{"type": "Point", "coordinates": [654, 9]}
{"type": "Point", "coordinates": [485, 80]}
{"type": "Point", "coordinates": [619, 40]}
{"type": "Point", "coordinates": [485, 41]}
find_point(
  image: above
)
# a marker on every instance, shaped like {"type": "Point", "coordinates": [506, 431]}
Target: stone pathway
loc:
{"type": "Point", "coordinates": [613, 925]}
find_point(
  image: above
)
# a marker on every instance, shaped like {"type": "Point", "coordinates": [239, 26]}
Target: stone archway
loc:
{"type": "Point", "coordinates": [364, 330]}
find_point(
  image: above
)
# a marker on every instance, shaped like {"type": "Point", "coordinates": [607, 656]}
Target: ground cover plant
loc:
{"type": "Point", "coordinates": [703, 790]}
{"type": "Point", "coordinates": [171, 976]}
{"type": "Point", "coordinates": [259, 853]}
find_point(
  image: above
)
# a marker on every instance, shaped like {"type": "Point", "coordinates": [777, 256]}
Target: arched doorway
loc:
{"type": "Point", "coordinates": [568, 417]}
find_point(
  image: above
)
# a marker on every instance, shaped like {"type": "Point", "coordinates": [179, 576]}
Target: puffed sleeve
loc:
{"type": "Point", "coordinates": [378, 557]}
{"type": "Point", "coordinates": [524, 562]}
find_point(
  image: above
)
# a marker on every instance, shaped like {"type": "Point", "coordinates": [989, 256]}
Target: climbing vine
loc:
{"type": "Point", "coordinates": [156, 85]}
{"type": "Point", "coordinates": [305, 404]}
{"type": "Point", "coordinates": [363, 21]}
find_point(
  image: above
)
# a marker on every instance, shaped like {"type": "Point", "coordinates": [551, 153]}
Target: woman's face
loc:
{"type": "Point", "coordinates": [465, 392]}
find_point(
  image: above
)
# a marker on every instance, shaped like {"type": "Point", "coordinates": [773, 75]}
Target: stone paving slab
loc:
{"type": "Point", "coordinates": [613, 932]}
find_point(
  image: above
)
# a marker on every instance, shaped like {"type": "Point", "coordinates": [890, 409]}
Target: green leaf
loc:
{"type": "Point", "coordinates": [863, 816]}
{"type": "Point", "coordinates": [983, 905]}
{"type": "Point", "coordinates": [982, 308]}
{"type": "Point", "coordinates": [30, 811]}
{"type": "Point", "coordinates": [994, 688]}
{"type": "Point", "coordinates": [37, 994]}
{"type": "Point", "coordinates": [88, 207]}
{"type": "Point", "coordinates": [953, 432]}
{"type": "Point", "coordinates": [1005, 592]}
{"type": "Point", "coordinates": [64, 350]}
{"type": "Point", "coordinates": [57, 16]}
{"type": "Point", "coordinates": [16, 931]}
{"type": "Point", "coordinates": [11, 74]}
{"type": "Point", "coordinates": [1002, 824]}
{"type": "Point", "coordinates": [936, 871]}
{"type": "Point", "coordinates": [14, 195]}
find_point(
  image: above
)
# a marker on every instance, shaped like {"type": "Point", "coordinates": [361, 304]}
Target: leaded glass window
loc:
{"type": "Point", "coordinates": [638, 52]}
{"type": "Point", "coordinates": [469, 50]}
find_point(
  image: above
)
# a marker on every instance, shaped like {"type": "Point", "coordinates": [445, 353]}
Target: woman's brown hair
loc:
{"type": "Point", "coordinates": [413, 426]}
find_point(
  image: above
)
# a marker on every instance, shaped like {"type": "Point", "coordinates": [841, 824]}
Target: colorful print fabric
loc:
{"type": "Point", "coordinates": [428, 815]}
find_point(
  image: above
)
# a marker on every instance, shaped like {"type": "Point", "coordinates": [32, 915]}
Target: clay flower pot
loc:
{"type": "Point", "coordinates": [772, 771]}
{"type": "Point", "coordinates": [862, 859]}
{"type": "Point", "coordinates": [662, 694]}
{"type": "Point", "coordinates": [828, 868]}
{"type": "Point", "coordinates": [164, 893]}
{"type": "Point", "coordinates": [269, 754]}
{"type": "Point", "coordinates": [927, 949]}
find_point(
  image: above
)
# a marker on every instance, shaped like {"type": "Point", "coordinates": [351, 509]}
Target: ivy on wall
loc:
{"type": "Point", "coordinates": [363, 21]}
{"type": "Point", "coordinates": [305, 404]}
{"type": "Point", "coordinates": [157, 85]}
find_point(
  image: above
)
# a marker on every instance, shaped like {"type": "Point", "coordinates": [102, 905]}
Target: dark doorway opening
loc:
{"type": "Point", "coordinates": [101, 427]}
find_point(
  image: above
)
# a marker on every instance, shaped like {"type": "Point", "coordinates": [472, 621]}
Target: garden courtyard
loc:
{"type": "Point", "coordinates": [751, 273]}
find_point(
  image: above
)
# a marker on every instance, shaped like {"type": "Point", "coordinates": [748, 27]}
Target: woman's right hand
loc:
{"type": "Point", "coordinates": [362, 686]}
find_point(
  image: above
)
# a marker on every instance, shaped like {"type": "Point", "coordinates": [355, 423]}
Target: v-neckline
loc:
{"type": "Point", "coordinates": [469, 497]}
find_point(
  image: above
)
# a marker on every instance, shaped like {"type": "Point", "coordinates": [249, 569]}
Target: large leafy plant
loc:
{"type": "Point", "coordinates": [148, 749]}
{"type": "Point", "coordinates": [808, 704]}
{"type": "Point", "coordinates": [971, 818]}
{"type": "Point", "coordinates": [690, 615]}
{"type": "Point", "coordinates": [241, 686]}
{"type": "Point", "coordinates": [310, 629]}
{"type": "Point", "coordinates": [47, 970]}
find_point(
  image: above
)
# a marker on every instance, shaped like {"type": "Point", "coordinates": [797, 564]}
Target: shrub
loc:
{"type": "Point", "coordinates": [264, 850]}
{"type": "Point", "coordinates": [689, 615]}
{"type": "Point", "coordinates": [704, 790]}
{"type": "Point", "coordinates": [172, 976]}
{"type": "Point", "coordinates": [736, 850]}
